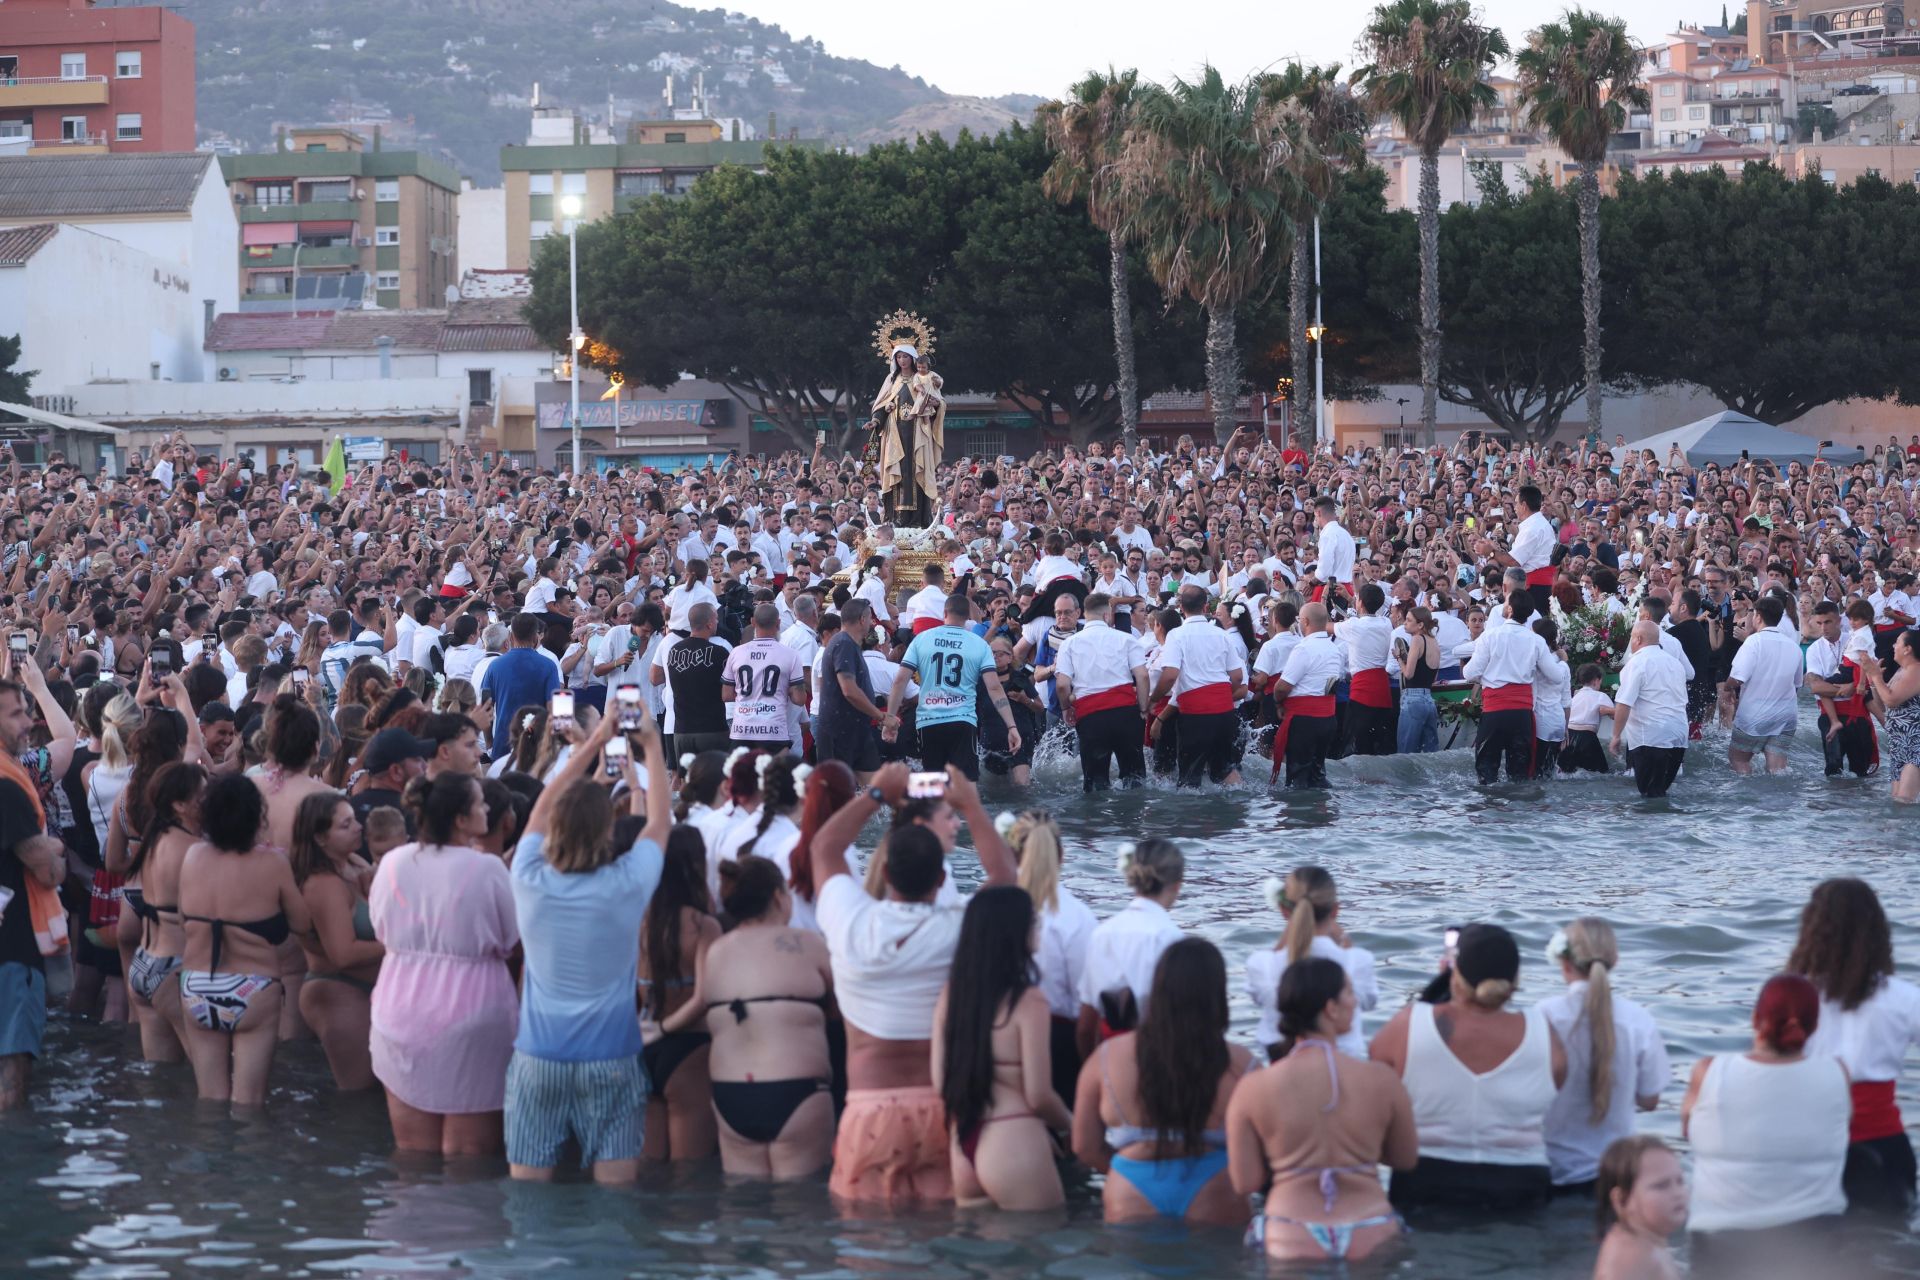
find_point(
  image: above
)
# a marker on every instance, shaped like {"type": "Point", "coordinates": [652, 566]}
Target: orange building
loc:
{"type": "Point", "coordinates": [76, 79]}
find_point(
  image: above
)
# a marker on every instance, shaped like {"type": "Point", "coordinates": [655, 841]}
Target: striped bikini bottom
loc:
{"type": "Point", "coordinates": [149, 971]}
{"type": "Point", "coordinates": [218, 1001]}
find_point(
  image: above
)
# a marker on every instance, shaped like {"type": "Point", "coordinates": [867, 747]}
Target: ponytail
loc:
{"type": "Point", "coordinates": [1035, 841]}
{"type": "Point", "coordinates": [1592, 952]}
{"type": "Point", "coordinates": [1309, 892]}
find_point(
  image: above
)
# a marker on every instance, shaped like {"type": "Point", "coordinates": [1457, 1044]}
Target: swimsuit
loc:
{"type": "Point", "coordinates": [970, 1135]}
{"type": "Point", "coordinates": [148, 971]}
{"type": "Point", "coordinates": [1334, 1238]}
{"type": "Point", "coordinates": [663, 1056]}
{"type": "Point", "coordinates": [758, 1110]}
{"type": "Point", "coordinates": [1171, 1184]}
{"type": "Point", "coordinates": [218, 1001]}
{"type": "Point", "coordinates": [363, 932]}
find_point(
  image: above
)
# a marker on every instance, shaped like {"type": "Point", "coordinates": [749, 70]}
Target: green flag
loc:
{"type": "Point", "coordinates": [336, 466]}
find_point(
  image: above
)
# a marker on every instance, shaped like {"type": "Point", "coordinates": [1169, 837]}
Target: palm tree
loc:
{"type": "Point", "coordinates": [1327, 132]}
{"type": "Point", "coordinates": [1426, 60]}
{"type": "Point", "coordinates": [1578, 77]}
{"type": "Point", "coordinates": [1205, 173]}
{"type": "Point", "coordinates": [1087, 132]}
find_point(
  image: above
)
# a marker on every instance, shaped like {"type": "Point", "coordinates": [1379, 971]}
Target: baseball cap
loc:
{"type": "Point", "coordinates": [390, 746]}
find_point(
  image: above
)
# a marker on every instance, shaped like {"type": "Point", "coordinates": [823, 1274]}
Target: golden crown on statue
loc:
{"type": "Point", "coordinates": [902, 326]}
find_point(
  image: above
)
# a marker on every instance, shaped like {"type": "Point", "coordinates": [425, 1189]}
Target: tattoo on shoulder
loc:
{"type": "Point", "coordinates": [788, 943]}
{"type": "Point", "coordinates": [1443, 1023]}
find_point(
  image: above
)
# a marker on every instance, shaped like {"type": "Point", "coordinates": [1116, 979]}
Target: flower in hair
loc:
{"type": "Point", "coordinates": [686, 761]}
{"type": "Point", "coordinates": [1125, 860]}
{"type": "Point", "coordinates": [761, 766]}
{"type": "Point", "coordinates": [1558, 948]}
{"type": "Point", "coordinates": [1003, 823]}
{"type": "Point", "coordinates": [735, 756]}
{"type": "Point", "coordinates": [526, 722]}
{"type": "Point", "coordinates": [1275, 892]}
{"type": "Point", "coordinates": [801, 775]}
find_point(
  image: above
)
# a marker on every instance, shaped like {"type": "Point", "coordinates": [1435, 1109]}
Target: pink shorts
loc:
{"type": "Point", "coordinates": [892, 1147]}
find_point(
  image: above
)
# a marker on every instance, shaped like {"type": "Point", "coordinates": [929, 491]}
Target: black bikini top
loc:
{"type": "Point", "coordinates": [273, 931]}
{"type": "Point", "coordinates": [738, 1006]}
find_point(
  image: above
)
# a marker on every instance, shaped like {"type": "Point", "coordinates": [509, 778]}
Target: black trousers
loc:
{"type": "Point", "coordinates": [1208, 747]}
{"type": "Point", "coordinates": [1583, 751]}
{"type": "Point", "coordinates": [1106, 736]}
{"type": "Point", "coordinates": [1851, 748]}
{"type": "Point", "coordinates": [950, 743]}
{"type": "Point", "coordinates": [1654, 768]}
{"type": "Point", "coordinates": [1879, 1177]}
{"type": "Point", "coordinates": [1504, 736]}
{"type": "Point", "coordinates": [1542, 599]}
{"type": "Point", "coordinates": [1371, 731]}
{"type": "Point", "coordinates": [1309, 738]}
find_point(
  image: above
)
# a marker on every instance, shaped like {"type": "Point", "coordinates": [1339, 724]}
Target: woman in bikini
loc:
{"type": "Point", "coordinates": [992, 1061]}
{"type": "Point", "coordinates": [679, 926]}
{"type": "Point", "coordinates": [292, 739]}
{"type": "Point", "coordinates": [1312, 1130]}
{"type": "Point", "coordinates": [237, 904]}
{"type": "Point", "coordinates": [343, 957]}
{"type": "Point", "coordinates": [764, 993]}
{"type": "Point", "coordinates": [1152, 1103]}
{"type": "Point", "coordinates": [153, 865]}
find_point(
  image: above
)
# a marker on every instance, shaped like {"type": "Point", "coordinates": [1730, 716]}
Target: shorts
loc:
{"type": "Point", "coordinates": [1756, 743]}
{"type": "Point", "coordinates": [854, 746]}
{"type": "Point", "coordinates": [602, 1104]}
{"type": "Point", "coordinates": [23, 1009]}
{"type": "Point", "coordinates": [950, 743]}
{"type": "Point", "coordinates": [892, 1146]}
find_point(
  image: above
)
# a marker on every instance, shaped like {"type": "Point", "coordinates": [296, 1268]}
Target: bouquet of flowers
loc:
{"type": "Point", "coordinates": [1591, 636]}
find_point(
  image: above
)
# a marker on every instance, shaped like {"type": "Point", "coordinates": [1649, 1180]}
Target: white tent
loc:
{"type": "Point", "coordinates": [1720, 437]}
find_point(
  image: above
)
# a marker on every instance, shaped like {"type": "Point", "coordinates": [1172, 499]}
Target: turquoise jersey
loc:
{"type": "Point", "coordinates": [947, 661]}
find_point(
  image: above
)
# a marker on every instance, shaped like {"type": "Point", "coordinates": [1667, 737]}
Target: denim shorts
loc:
{"type": "Point", "coordinates": [602, 1104]}
{"type": "Point", "coordinates": [23, 1008]}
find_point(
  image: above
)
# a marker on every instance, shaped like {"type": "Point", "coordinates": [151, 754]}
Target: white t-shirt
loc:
{"type": "Point", "coordinates": [1124, 950]}
{"type": "Point", "coordinates": [890, 959]}
{"type": "Point", "coordinates": [541, 595]}
{"type": "Point", "coordinates": [1574, 1142]}
{"type": "Point", "coordinates": [1265, 968]}
{"type": "Point", "coordinates": [760, 672]}
{"type": "Point", "coordinates": [1770, 670]}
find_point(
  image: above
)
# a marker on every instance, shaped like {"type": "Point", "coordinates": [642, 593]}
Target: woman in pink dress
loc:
{"type": "Point", "coordinates": [444, 1008]}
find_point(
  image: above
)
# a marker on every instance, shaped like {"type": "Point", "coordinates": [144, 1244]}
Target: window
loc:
{"type": "Point", "coordinates": [637, 184]}
{"type": "Point", "coordinates": [539, 184]}
{"type": "Point", "coordinates": [539, 229]}
{"type": "Point", "coordinates": [73, 66]}
{"type": "Point", "coordinates": [1828, 176]}
{"type": "Point", "coordinates": [1916, 177]}
{"type": "Point", "coordinates": [316, 146]}
{"type": "Point", "coordinates": [386, 190]}
{"type": "Point", "coordinates": [126, 65]}
{"type": "Point", "coordinates": [1666, 90]}
{"type": "Point", "coordinates": [386, 280]}
{"type": "Point", "coordinates": [16, 128]}
{"type": "Point", "coordinates": [126, 127]}
{"type": "Point", "coordinates": [573, 184]}
{"type": "Point", "coordinates": [273, 193]}
{"type": "Point", "coordinates": [73, 129]}
{"type": "Point", "coordinates": [676, 137]}
{"type": "Point", "coordinates": [1666, 113]}
{"type": "Point", "coordinates": [333, 189]}
{"type": "Point", "coordinates": [280, 283]}
{"type": "Point", "coordinates": [386, 235]}
{"type": "Point", "coordinates": [1696, 113]}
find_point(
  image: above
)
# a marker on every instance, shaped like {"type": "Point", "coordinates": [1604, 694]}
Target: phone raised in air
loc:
{"type": "Point", "coordinates": [926, 786]}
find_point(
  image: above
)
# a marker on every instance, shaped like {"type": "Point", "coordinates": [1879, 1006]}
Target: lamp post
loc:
{"type": "Point", "coordinates": [1316, 332]}
{"type": "Point", "coordinates": [570, 210]}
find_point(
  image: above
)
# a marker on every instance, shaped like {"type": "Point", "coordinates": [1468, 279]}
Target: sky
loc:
{"type": "Point", "coordinates": [991, 47]}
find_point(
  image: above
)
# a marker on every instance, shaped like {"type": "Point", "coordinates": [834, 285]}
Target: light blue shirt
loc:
{"type": "Point", "coordinates": [947, 661]}
{"type": "Point", "coordinates": [581, 934]}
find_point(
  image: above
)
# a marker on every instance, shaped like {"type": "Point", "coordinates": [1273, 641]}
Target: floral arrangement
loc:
{"type": "Point", "coordinates": [1591, 636]}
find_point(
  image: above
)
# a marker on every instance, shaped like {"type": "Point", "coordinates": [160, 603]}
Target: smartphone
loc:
{"type": "Point", "coordinates": [1452, 939]}
{"type": "Point", "coordinates": [160, 662]}
{"type": "Point", "coordinates": [73, 634]}
{"type": "Point", "coordinates": [560, 709]}
{"type": "Point", "coordinates": [209, 647]}
{"type": "Point", "coordinates": [614, 756]}
{"type": "Point", "coordinates": [19, 644]}
{"type": "Point", "coordinates": [299, 679]}
{"type": "Point", "coordinates": [926, 786]}
{"type": "Point", "coordinates": [627, 699]}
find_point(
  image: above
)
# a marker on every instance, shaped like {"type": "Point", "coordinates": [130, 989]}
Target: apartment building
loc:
{"type": "Point", "coordinates": [327, 223]}
{"type": "Point", "coordinates": [80, 79]}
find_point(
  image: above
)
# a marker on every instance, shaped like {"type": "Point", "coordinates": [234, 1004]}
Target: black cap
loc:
{"type": "Point", "coordinates": [390, 746]}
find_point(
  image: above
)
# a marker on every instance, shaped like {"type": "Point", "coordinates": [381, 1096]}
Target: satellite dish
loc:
{"type": "Point", "coordinates": [453, 294]}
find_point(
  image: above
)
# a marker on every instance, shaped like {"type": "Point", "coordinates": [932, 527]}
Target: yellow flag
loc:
{"type": "Point", "coordinates": [336, 466]}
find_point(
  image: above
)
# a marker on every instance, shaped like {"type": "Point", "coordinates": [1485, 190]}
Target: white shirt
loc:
{"type": "Point", "coordinates": [619, 644]}
{"type": "Point", "coordinates": [1202, 655]}
{"type": "Point", "coordinates": [1551, 697]}
{"type": "Point", "coordinates": [761, 672]}
{"type": "Point", "coordinates": [1124, 950]}
{"type": "Point", "coordinates": [1097, 658]}
{"type": "Point", "coordinates": [1640, 1070]}
{"type": "Point", "coordinates": [1315, 666]}
{"type": "Point", "coordinates": [1584, 713]}
{"type": "Point", "coordinates": [684, 597]}
{"type": "Point", "coordinates": [1061, 957]}
{"type": "Point", "coordinates": [262, 585]}
{"type": "Point", "coordinates": [1451, 633]}
{"type": "Point", "coordinates": [1674, 648]}
{"type": "Point", "coordinates": [874, 592]}
{"type": "Point", "coordinates": [1533, 543]}
{"type": "Point", "coordinates": [1052, 567]}
{"type": "Point", "coordinates": [1654, 687]}
{"type": "Point", "coordinates": [1368, 640]}
{"type": "Point", "coordinates": [1272, 658]}
{"type": "Point", "coordinates": [1823, 660]}
{"type": "Point", "coordinates": [461, 661]}
{"type": "Point", "coordinates": [541, 595]}
{"type": "Point", "coordinates": [890, 959]}
{"type": "Point", "coordinates": [1134, 537]}
{"type": "Point", "coordinates": [928, 602]}
{"type": "Point", "coordinates": [1265, 968]}
{"type": "Point", "coordinates": [1871, 1041]}
{"type": "Point", "coordinates": [1336, 554]}
{"type": "Point", "coordinates": [1512, 654]}
{"type": "Point", "coordinates": [421, 652]}
{"type": "Point", "coordinates": [1770, 671]}
{"type": "Point", "coordinates": [803, 640]}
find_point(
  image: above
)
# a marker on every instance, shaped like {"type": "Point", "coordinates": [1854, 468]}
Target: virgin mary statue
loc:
{"type": "Point", "coordinates": [909, 418]}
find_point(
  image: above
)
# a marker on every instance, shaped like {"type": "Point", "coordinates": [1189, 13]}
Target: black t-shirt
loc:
{"type": "Point", "coordinates": [17, 823]}
{"type": "Point", "coordinates": [842, 657]}
{"type": "Point", "coordinates": [694, 667]}
{"type": "Point", "coordinates": [372, 798]}
{"type": "Point", "coordinates": [1692, 635]}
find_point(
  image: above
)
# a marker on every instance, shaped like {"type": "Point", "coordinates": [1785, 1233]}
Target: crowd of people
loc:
{"type": "Point", "coordinates": [534, 800]}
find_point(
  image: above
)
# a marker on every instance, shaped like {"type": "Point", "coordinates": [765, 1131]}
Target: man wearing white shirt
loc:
{"type": "Point", "coordinates": [1368, 638]}
{"type": "Point", "coordinates": [261, 584]}
{"type": "Point", "coordinates": [1532, 549]}
{"type": "Point", "coordinates": [1337, 552]}
{"type": "Point", "coordinates": [1847, 734]}
{"type": "Point", "coordinates": [1100, 677]}
{"type": "Point", "coordinates": [1206, 681]}
{"type": "Point", "coordinates": [926, 608]}
{"type": "Point", "coordinates": [1650, 712]}
{"type": "Point", "coordinates": [1506, 661]}
{"type": "Point", "coordinates": [803, 637]}
{"type": "Point", "coordinates": [1304, 691]}
{"type": "Point", "coordinates": [1763, 688]}
{"type": "Point", "coordinates": [1130, 533]}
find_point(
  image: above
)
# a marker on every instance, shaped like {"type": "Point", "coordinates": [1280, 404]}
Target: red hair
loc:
{"type": "Point", "coordinates": [743, 782]}
{"type": "Point", "coordinates": [1787, 1012]}
{"type": "Point", "coordinates": [829, 788]}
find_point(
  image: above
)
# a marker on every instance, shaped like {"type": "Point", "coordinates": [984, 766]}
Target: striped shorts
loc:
{"type": "Point", "coordinates": [602, 1104]}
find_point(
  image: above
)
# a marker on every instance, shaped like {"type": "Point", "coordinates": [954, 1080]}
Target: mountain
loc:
{"type": "Point", "coordinates": [456, 77]}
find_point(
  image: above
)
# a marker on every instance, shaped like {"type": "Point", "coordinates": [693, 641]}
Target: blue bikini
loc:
{"type": "Point", "coordinates": [1169, 1185]}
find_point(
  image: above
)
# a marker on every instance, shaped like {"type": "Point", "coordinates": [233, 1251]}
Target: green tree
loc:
{"type": "Point", "coordinates": [1086, 131]}
{"type": "Point", "coordinates": [15, 383]}
{"type": "Point", "coordinates": [1206, 167]}
{"type": "Point", "coordinates": [1578, 77]}
{"type": "Point", "coordinates": [1426, 66]}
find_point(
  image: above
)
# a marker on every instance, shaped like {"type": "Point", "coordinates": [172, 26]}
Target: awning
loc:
{"type": "Point", "coordinates": [61, 422]}
{"type": "Point", "coordinates": [254, 233]}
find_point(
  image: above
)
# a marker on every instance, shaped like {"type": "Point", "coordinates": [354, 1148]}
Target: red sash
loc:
{"type": "Point", "coordinates": [1875, 1113]}
{"type": "Point", "coordinates": [1542, 577]}
{"type": "Point", "coordinates": [1888, 628]}
{"type": "Point", "coordinates": [1854, 708]}
{"type": "Point", "coordinates": [1121, 695]}
{"type": "Point", "coordinates": [450, 592]}
{"type": "Point", "coordinates": [1308, 706]}
{"type": "Point", "coordinates": [925, 624]}
{"type": "Point", "coordinates": [1207, 700]}
{"type": "Point", "coordinates": [1506, 697]}
{"type": "Point", "coordinates": [1154, 708]}
{"type": "Point", "coordinates": [1370, 689]}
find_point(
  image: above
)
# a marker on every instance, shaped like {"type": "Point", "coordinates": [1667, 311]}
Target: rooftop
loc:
{"type": "Point", "coordinates": [338, 163]}
{"type": "Point", "coordinates": [17, 244]}
{"type": "Point", "coordinates": [100, 185]}
{"type": "Point", "coordinates": [472, 324]}
{"type": "Point", "coordinates": [640, 155]}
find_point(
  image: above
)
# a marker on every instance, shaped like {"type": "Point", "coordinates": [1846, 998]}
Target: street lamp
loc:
{"type": "Point", "coordinates": [570, 210]}
{"type": "Point", "coordinates": [1315, 332]}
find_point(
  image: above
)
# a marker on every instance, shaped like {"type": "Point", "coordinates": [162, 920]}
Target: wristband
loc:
{"type": "Point", "coordinates": [876, 795]}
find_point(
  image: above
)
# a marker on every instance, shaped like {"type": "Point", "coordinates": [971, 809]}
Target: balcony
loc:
{"type": "Point", "coordinates": [53, 91]}
{"type": "Point", "coordinates": [84, 144]}
{"type": "Point", "coordinates": [313, 211]}
{"type": "Point", "coordinates": [311, 256]}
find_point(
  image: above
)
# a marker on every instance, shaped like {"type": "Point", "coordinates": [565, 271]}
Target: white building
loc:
{"type": "Point", "coordinates": [171, 207]}
{"type": "Point", "coordinates": [482, 216]}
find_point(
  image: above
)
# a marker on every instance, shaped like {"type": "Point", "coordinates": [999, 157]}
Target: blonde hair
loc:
{"type": "Point", "coordinates": [118, 723]}
{"type": "Point", "coordinates": [1310, 893]}
{"type": "Point", "coordinates": [1035, 842]}
{"type": "Point", "coordinates": [1593, 953]}
{"type": "Point", "coordinates": [1154, 864]}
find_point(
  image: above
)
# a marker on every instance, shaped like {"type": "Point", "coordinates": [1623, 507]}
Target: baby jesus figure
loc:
{"type": "Point", "coordinates": [926, 386]}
